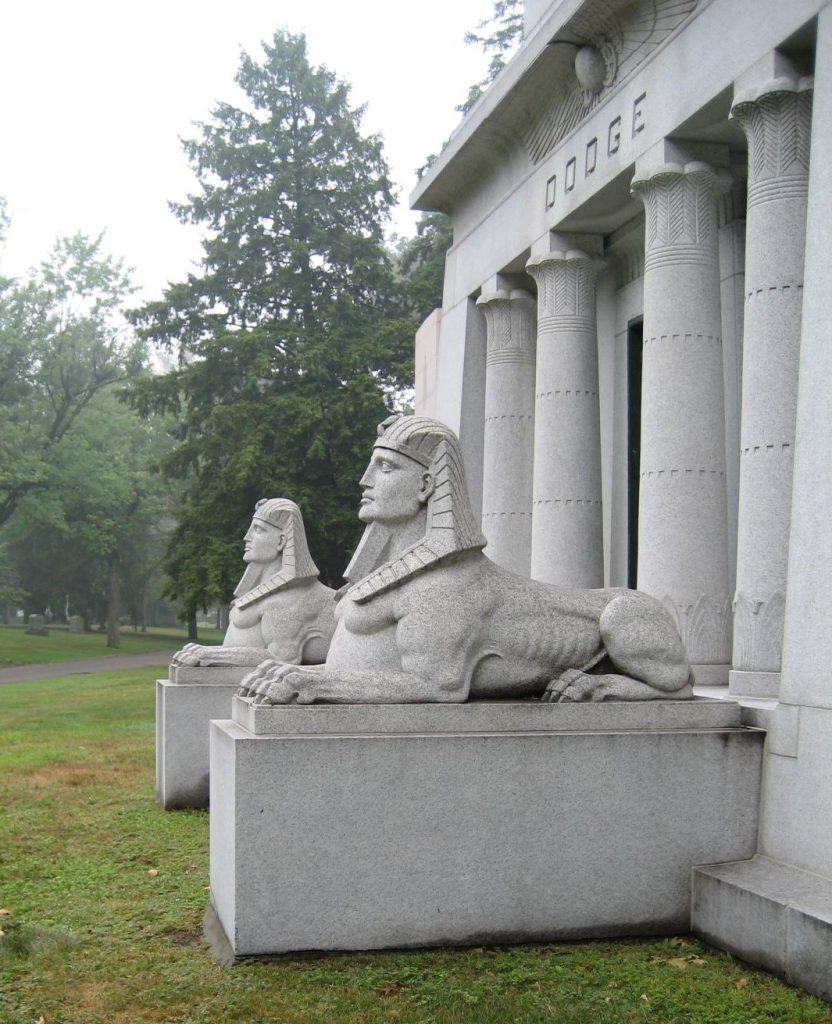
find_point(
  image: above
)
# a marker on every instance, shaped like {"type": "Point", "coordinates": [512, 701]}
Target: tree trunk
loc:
{"type": "Point", "coordinates": [113, 639]}
{"type": "Point", "coordinates": [192, 626]}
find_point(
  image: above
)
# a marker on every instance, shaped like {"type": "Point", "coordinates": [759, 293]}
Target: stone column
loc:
{"type": "Point", "coordinates": [731, 235]}
{"type": "Point", "coordinates": [682, 538]}
{"type": "Point", "coordinates": [508, 443]}
{"type": "Point", "coordinates": [776, 117]}
{"type": "Point", "coordinates": [797, 796]}
{"type": "Point", "coordinates": [567, 528]}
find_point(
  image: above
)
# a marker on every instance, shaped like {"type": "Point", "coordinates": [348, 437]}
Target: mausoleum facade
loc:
{"type": "Point", "coordinates": [634, 350]}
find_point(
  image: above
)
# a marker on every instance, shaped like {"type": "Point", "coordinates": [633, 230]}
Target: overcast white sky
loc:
{"type": "Point", "coordinates": [96, 94]}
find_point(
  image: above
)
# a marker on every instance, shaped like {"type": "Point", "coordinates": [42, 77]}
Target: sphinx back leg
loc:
{"type": "Point", "coordinates": [642, 642]}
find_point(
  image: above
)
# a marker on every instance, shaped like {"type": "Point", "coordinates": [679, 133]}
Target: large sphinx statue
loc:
{"type": "Point", "coordinates": [428, 617]}
{"type": "Point", "coordinates": [280, 611]}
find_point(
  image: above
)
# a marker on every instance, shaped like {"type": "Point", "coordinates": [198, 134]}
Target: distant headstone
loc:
{"type": "Point", "coordinates": [35, 626]}
{"type": "Point", "coordinates": [75, 623]}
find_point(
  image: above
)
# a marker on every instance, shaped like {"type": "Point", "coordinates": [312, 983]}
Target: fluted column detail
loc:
{"type": "Point", "coordinates": [776, 118]}
{"type": "Point", "coordinates": [508, 443]}
{"type": "Point", "coordinates": [567, 529]}
{"type": "Point", "coordinates": [682, 539]}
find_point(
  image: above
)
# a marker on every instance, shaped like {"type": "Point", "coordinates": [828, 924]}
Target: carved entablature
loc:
{"type": "Point", "coordinates": [611, 42]}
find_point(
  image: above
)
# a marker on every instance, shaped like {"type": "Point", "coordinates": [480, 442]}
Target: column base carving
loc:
{"type": "Point", "coordinates": [705, 628]}
{"type": "Point", "coordinates": [753, 684]}
{"type": "Point", "coordinates": [758, 632]}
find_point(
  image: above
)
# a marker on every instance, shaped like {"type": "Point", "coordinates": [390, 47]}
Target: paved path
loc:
{"type": "Point", "coordinates": [55, 669]}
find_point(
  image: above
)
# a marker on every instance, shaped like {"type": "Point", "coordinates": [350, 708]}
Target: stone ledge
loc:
{"type": "Point", "coordinates": [771, 914]}
{"type": "Point", "coordinates": [208, 675]}
{"type": "Point", "coordinates": [485, 717]}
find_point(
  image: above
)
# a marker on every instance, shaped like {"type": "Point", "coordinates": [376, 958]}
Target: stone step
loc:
{"type": "Point", "coordinates": [771, 914]}
{"type": "Point", "coordinates": [485, 717]}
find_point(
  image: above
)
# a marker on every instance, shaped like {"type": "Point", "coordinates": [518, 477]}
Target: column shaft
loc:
{"type": "Point", "coordinates": [567, 528]}
{"type": "Point", "coordinates": [776, 118]}
{"type": "Point", "coordinates": [797, 795]}
{"type": "Point", "coordinates": [682, 539]}
{"type": "Point", "coordinates": [508, 442]}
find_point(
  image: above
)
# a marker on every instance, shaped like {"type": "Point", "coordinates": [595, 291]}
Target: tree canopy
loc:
{"type": "Point", "coordinates": [62, 340]}
{"type": "Point", "coordinates": [421, 262]}
{"type": "Point", "coordinates": [291, 340]}
{"type": "Point", "coordinates": [80, 507]}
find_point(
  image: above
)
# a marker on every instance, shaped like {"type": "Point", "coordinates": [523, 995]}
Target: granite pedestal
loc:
{"type": "Point", "coordinates": [185, 704]}
{"type": "Point", "coordinates": [382, 826]}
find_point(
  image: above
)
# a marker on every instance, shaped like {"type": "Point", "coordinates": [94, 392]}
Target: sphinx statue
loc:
{"type": "Point", "coordinates": [428, 617]}
{"type": "Point", "coordinates": [281, 611]}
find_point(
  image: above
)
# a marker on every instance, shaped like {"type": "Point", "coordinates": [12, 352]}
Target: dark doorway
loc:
{"type": "Point", "coordinates": [635, 342]}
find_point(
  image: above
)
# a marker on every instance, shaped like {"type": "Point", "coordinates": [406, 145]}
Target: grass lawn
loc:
{"type": "Point", "coordinates": [105, 891]}
{"type": "Point", "coordinates": [17, 647]}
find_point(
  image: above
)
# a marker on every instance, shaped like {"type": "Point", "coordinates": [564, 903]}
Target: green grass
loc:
{"type": "Point", "coordinates": [106, 891]}
{"type": "Point", "coordinates": [17, 647]}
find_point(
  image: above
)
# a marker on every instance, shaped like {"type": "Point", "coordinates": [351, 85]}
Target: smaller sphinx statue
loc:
{"type": "Point", "coordinates": [428, 617]}
{"type": "Point", "coordinates": [281, 611]}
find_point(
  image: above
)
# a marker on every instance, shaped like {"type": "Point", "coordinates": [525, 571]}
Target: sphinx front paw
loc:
{"type": "Point", "coordinates": [574, 686]}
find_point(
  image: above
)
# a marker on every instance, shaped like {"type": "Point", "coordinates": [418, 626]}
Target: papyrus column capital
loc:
{"type": "Point", "coordinates": [680, 208]}
{"type": "Point", "coordinates": [510, 316]}
{"type": "Point", "coordinates": [776, 117]}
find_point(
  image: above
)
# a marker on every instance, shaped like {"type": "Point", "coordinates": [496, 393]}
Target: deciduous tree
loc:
{"type": "Point", "coordinates": [62, 340]}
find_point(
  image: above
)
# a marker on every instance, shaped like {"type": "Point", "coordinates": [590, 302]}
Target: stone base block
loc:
{"type": "Point", "coordinates": [758, 685]}
{"type": "Point", "coordinates": [710, 675]}
{"type": "Point", "coordinates": [771, 914]}
{"type": "Point", "coordinates": [183, 713]}
{"type": "Point", "coordinates": [373, 827]}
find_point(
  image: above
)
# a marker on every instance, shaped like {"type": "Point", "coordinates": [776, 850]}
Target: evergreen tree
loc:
{"type": "Point", "coordinates": [421, 261]}
{"type": "Point", "coordinates": [498, 35]}
{"type": "Point", "coordinates": [291, 344]}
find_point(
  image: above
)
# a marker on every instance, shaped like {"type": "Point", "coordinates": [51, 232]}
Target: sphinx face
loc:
{"type": "Point", "coordinates": [395, 488]}
{"type": "Point", "coordinates": [263, 542]}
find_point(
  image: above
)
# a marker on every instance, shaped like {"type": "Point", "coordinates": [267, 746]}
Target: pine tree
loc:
{"type": "Point", "coordinates": [497, 36]}
{"type": "Point", "coordinates": [291, 345]}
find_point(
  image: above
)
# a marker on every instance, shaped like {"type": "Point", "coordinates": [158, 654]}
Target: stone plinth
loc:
{"type": "Point", "coordinates": [185, 705]}
{"type": "Point", "coordinates": [508, 442]}
{"type": "Point", "coordinates": [682, 545]}
{"type": "Point", "coordinates": [372, 827]}
{"type": "Point", "coordinates": [776, 118]}
{"type": "Point", "coordinates": [773, 915]}
{"type": "Point", "coordinates": [567, 529]}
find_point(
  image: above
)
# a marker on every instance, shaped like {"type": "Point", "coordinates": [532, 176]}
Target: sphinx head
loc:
{"type": "Point", "coordinates": [415, 473]}
{"type": "Point", "coordinates": [277, 535]}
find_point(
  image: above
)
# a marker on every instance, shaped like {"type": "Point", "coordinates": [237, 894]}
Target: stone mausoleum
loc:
{"type": "Point", "coordinates": [635, 350]}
